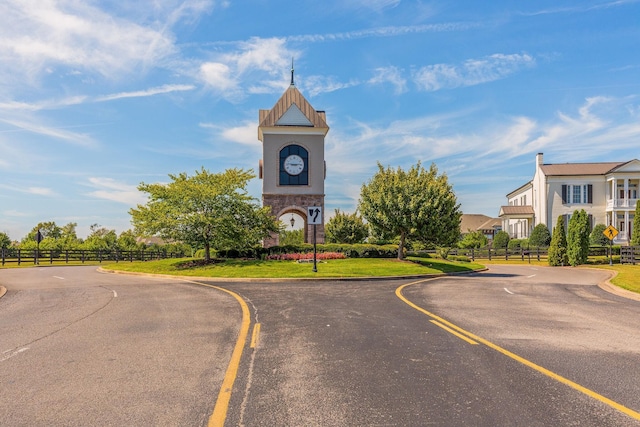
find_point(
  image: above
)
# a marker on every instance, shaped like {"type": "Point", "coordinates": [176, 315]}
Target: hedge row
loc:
{"type": "Point", "coordinates": [350, 251]}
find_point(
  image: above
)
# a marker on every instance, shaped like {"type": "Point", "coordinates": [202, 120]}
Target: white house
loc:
{"type": "Point", "coordinates": [606, 191]}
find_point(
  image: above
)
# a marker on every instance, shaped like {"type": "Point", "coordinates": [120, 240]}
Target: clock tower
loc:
{"type": "Point", "coordinates": [293, 168]}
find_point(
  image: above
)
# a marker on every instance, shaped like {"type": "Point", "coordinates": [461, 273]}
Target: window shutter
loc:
{"type": "Point", "coordinates": [564, 194]}
{"type": "Point", "coordinates": [590, 193]}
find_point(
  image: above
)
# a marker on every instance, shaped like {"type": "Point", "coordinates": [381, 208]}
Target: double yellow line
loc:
{"type": "Point", "coordinates": [474, 339]}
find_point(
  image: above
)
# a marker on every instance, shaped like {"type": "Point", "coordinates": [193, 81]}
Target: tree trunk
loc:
{"type": "Point", "coordinates": [207, 252]}
{"type": "Point", "coordinates": [401, 246]}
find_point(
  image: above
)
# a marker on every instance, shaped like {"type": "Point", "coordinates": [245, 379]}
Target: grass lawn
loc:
{"type": "Point", "coordinates": [628, 276]}
{"type": "Point", "coordinates": [355, 267]}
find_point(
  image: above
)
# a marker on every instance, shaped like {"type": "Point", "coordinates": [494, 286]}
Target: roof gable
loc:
{"type": "Point", "coordinates": [630, 166]}
{"type": "Point", "coordinates": [282, 113]}
{"type": "Point", "coordinates": [293, 117]}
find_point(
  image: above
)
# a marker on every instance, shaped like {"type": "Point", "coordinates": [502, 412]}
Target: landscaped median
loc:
{"type": "Point", "coordinates": [336, 268]}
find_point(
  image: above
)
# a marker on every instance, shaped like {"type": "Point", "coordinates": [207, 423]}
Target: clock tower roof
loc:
{"type": "Point", "coordinates": [292, 111]}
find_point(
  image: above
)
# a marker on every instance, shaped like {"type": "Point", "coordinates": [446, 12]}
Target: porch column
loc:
{"type": "Point", "coordinates": [627, 225]}
{"type": "Point", "coordinates": [626, 193]}
{"type": "Point", "coordinates": [614, 192]}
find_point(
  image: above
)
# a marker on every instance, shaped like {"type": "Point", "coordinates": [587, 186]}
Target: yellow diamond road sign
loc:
{"type": "Point", "coordinates": [610, 232]}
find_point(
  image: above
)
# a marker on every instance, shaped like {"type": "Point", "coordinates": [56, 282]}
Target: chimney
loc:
{"type": "Point", "coordinates": [539, 161]}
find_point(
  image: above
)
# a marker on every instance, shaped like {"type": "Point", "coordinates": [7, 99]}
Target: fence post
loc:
{"type": "Point", "coordinates": [2, 256]}
{"type": "Point", "coordinates": [51, 256]}
{"type": "Point", "coordinates": [489, 254]}
{"type": "Point", "coordinates": [538, 252]}
{"type": "Point", "coordinates": [19, 260]}
{"type": "Point", "coordinates": [66, 256]}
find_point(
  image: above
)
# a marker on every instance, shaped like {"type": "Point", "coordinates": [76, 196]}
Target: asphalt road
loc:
{"type": "Point", "coordinates": [79, 348]}
{"type": "Point", "coordinates": [533, 347]}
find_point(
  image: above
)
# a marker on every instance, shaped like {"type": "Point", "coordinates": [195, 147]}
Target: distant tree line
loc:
{"type": "Point", "coordinates": [54, 237]}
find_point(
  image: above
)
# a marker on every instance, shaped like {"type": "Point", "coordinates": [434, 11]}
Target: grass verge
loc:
{"type": "Point", "coordinates": [338, 268]}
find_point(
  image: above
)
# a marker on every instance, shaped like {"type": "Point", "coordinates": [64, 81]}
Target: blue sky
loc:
{"type": "Point", "coordinates": [98, 96]}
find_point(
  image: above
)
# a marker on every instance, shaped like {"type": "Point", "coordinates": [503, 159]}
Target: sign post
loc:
{"type": "Point", "coordinates": [38, 240]}
{"type": "Point", "coordinates": [314, 217]}
{"type": "Point", "coordinates": [610, 233]}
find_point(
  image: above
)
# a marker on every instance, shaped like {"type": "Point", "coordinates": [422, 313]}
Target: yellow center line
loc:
{"type": "Point", "coordinates": [451, 331]}
{"type": "Point", "coordinates": [630, 412]}
{"type": "Point", "coordinates": [219, 414]}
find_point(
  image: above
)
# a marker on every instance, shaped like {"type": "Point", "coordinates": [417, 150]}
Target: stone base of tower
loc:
{"type": "Point", "coordinates": [282, 204]}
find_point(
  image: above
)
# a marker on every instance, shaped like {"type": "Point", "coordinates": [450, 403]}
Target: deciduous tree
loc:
{"type": "Point", "coordinates": [346, 228]}
{"type": "Point", "coordinates": [597, 237]}
{"type": "Point", "coordinates": [540, 236]}
{"type": "Point", "coordinates": [206, 210]}
{"type": "Point", "coordinates": [500, 240]}
{"type": "Point", "coordinates": [417, 204]}
{"type": "Point", "coordinates": [473, 239]}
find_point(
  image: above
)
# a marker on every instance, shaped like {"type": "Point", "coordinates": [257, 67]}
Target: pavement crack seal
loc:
{"type": "Point", "coordinates": [627, 411]}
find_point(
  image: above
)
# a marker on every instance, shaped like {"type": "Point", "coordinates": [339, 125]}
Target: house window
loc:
{"type": "Point", "coordinates": [577, 194]}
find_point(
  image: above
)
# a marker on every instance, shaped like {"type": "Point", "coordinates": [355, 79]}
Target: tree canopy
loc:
{"type": "Point", "coordinates": [207, 210]}
{"type": "Point", "coordinates": [540, 236]}
{"type": "Point", "coordinates": [346, 228]}
{"type": "Point", "coordinates": [473, 239]}
{"type": "Point", "coordinates": [417, 204]}
{"type": "Point", "coordinates": [501, 240]}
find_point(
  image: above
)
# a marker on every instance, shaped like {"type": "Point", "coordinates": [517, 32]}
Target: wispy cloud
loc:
{"type": "Point", "coordinates": [393, 31]}
{"type": "Point", "coordinates": [391, 75]}
{"type": "Point", "coordinates": [53, 132]}
{"type": "Point", "coordinates": [580, 8]}
{"type": "Point", "coordinates": [471, 72]}
{"type": "Point", "coordinates": [116, 191]}
{"type": "Point", "coordinates": [262, 59]}
{"type": "Point", "coordinates": [599, 125]}
{"type": "Point", "coordinates": [245, 134]}
{"type": "Point", "coordinates": [36, 36]}
{"type": "Point", "coordinates": [147, 92]}
{"type": "Point", "coordinates": [40, 191]}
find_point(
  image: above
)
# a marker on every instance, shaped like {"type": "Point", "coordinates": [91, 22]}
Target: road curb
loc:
{"type": "Point", "coordinates": [287, 279]}
{"type": "Point", "coordinates": [3, 291]}
{"type": "Point", "coordinates": [607, 286]}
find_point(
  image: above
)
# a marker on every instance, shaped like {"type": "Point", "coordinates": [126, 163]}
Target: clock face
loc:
{"type": "Point", "coordinates": [293, 164]}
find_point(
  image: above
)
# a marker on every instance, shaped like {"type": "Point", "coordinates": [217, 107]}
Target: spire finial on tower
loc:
{"type": "Point", "coordinates": [292, 83]}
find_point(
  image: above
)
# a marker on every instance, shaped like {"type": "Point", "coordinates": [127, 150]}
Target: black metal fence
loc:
{"type": "Point", "coordinates": [80, 256]}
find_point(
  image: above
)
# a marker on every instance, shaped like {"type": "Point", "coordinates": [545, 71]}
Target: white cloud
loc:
{"type": "Point", "coordinates": [218, 76]}
{"type": "Point", "coordinates": [53, 132]}
{"type": "Point", "coordinates": [315, 85]}
{"type": "Point", "coordinates": [40, 191]}
{"type": "Point", "coordinates": [471, 72]}
{"type": "Point", "coordinates": [391, 75]}
{"type": "Point", "coordinates": [390, 31]}
{"type": "Point", "coordinates": [246, 134]}
{"type": "Point", "coordinates": [37, 36]}
{"type": "Point", "coordinates": [116, 191]}
{"type": "Point", "coordinates": [147, 92]}
{"type": "Point", "coordinates": [263, 59]}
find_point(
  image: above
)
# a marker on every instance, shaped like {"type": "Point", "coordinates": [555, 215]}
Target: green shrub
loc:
{"type": "Point", "coordinates": [540, 236]}
{"type": "Point", "coordinates": [501, 240]}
